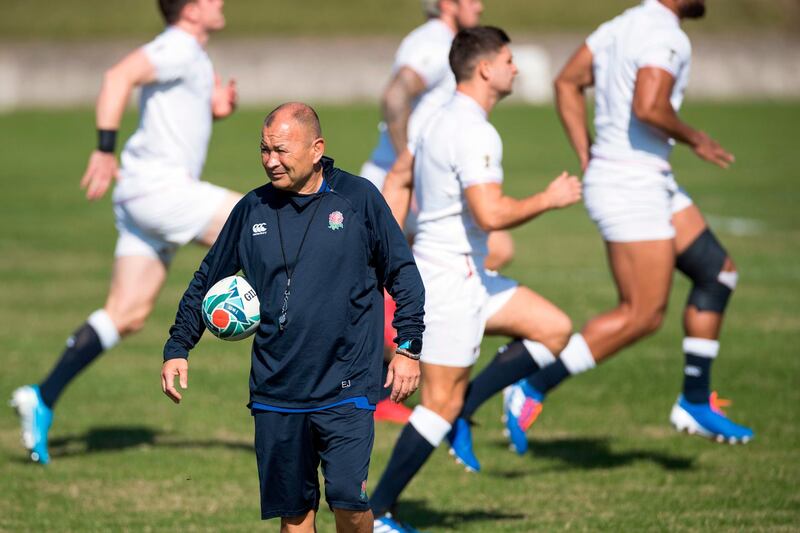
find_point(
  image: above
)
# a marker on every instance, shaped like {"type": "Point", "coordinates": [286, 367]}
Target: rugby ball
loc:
{"type": "Point", "coordinates": [231, 310]}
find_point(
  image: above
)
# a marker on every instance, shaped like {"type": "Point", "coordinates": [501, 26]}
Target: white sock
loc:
{"type": "Point", "coordinates": [577, 356]}
{"type": "Point", "coordinates": [539, 353]}
{"type": "Point", "coordinates": [701, 347]}
{"type": "Point", "coordinates": [430, 425]}
{"type": "Point", "coordinates": [105, 328]}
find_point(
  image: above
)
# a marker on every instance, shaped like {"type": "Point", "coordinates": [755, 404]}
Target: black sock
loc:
{"type": "Point", "coordinates": [409, 454]}
{"type": "Point", "coordinates": [512, 363]}
{"type": "Point", "coordinates": [696, 378]}
{"type": "Point", "coordinates": [82, 348]}
{"type": "Point", "coordinates": [549, 377]}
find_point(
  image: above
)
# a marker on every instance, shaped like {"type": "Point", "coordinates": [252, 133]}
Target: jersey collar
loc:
{"type": "Point", "coordinates": [469, 103]}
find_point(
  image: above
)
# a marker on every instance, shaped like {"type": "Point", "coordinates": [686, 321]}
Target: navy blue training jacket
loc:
{"type": "Point", "coordinates": [332, 346]}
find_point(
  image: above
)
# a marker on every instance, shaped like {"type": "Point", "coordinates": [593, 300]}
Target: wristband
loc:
{"type": "Point", "coordinates": [107, 141]}
{"type": "Point", "coordinates": [411, 349]}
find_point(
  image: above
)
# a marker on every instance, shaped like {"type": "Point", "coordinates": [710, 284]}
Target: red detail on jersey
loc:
{"type": "Point", "coordinates": [220, 318]}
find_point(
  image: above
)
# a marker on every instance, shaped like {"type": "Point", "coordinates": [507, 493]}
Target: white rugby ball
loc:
{"type": "Point", "coordinates": [231, 310]}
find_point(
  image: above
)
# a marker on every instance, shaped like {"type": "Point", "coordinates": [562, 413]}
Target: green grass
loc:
{"type": "Point", "coordinates": [98, 19]}
{"type": "Point", "coordinates": [603, 456]}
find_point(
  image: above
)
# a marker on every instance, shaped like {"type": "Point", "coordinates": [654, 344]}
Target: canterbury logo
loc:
{"type": "Point", "coordinates": [260, 228]}
{"type": "Point", "coordinates": [692, 371]}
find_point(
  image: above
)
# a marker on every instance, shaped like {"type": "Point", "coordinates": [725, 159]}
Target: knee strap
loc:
{"type": "Point", "coordinates": [702, 263]}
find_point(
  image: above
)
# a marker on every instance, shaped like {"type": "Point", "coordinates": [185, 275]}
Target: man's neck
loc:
{"type": "Point", "coordinates": [482, 94]}
{"type": "Point", "coordinates": [313, 183]}
{"type": "Point", "coordinates": [195, 30]}
{"type": "Point", "coordinates": [450, 22]}
{"type": "Point", "coordinates": [671, 5]}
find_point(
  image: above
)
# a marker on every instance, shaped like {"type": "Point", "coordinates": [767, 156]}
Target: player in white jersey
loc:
{"type": "Point", "coordinates": [159, 201]}
{"type": "Point", "coordinates": [421, 82]}
{"type": "Point", "coordinates": [457, 179]}
{"type": "Point", "coordinates": [639, 65]}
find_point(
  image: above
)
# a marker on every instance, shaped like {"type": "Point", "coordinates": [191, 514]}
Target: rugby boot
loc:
{"type": "Point", "coordinates": [35, 418]}
{"type": "Point", "coordinates": [460, 439]}
{"type": "Point", "coordinates": [388, 411]}
{"type": "Point", "coordinates": [708, 420]}
{"type": "Point", "coordinates": [522, 405]}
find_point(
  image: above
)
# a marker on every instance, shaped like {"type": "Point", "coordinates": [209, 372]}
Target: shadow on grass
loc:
{"type": "Point", "coordinates": [591, 453]}
{"type": "Point", "coordinates": [418, 514]}
{"type": "Point", "coordinates": [113, 438]}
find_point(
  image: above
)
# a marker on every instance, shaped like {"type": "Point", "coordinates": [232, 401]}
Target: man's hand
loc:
{"type": "Point", "coordinates": [101, 169]}
{"type": "Point", "coordinates": [403, 376]}
{"type": "Point", "coordinates": [563, 191]}
{"type": "Point", "coordinates": [223, 101]}
{"type": "Point", "coordinates": [707, 148]}
{"type": "Point", "coordinates": [171, 368]}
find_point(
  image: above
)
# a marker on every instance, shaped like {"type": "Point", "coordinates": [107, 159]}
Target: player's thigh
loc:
{"type": "Point", "coordinates": [218, 219]}
{"type": "Point", "coordinates": [529, 315]}
{"type": "Point", "coordinates": [689, 224]}
{"type": "Point", "coordinates": [443, 386]}
{"type": "Point", "coordinates": [642, 271]}
{"type": "Point", "coordinates": [135, 284]}
{"type": "Point", "coordinates": [343, 437]}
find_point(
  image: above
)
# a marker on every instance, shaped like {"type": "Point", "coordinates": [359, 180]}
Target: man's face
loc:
{"type": "Point", "coordinates": [209, 14]}
{"type": "Point", "coordinates": [468, 13]}
{"type": "Point", "coordinates": [501, 72]}
{"type": "Point", "coordinates": [289, 152]}
{"type": "Point", "coordinates": [691, 9]}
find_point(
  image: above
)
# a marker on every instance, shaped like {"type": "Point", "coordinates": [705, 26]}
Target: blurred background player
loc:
{"type": "Point", "coordinates": [420, 83]}
{"type": "Point", "coordinates": [159, 203]}
{"type": "Point", "coordinates": [458, 175]}
{"type": "Point", "coordinates": [638, 64]}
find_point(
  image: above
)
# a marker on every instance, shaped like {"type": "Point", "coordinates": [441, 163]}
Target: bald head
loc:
{"type": "Point", "coordinates": [292, 148]}
{"type": "Point", "coordinates": [296, 113]}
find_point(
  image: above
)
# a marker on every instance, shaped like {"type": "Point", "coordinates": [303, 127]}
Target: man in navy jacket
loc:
{"type": "Point", "coordinates": [318, 245]}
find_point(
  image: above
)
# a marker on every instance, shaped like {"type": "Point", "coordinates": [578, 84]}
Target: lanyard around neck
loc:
{"type": "Point", "coordinates": [290, 271]}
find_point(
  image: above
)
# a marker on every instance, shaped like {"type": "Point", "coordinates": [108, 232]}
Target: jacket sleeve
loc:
{"type": "Point", "coordinates": [396, 269]}
{"type": "Point", "coordinates": [222, 260]}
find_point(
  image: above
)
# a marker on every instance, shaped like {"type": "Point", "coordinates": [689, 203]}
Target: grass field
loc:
{"type": "Point", "coordinates": [99, 19]}
{"type": "Point", "coordinates": [603, 456]}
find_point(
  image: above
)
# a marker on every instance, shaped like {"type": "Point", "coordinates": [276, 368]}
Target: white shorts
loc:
{"type": "Point", "coordinates": [630, 203]}
{"type": "Point", "coordinates": [376, 174]}
{"type": "Point", "coordinates": [459, 299]}
{"type": "Point", "coordinates": [157, 222]}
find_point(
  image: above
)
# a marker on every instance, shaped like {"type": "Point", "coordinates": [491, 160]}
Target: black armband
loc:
{"type": "Point", "coordinates": [107, 141]}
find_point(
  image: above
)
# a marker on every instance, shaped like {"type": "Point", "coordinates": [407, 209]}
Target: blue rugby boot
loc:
{"type": "Point", "coordinates": [35, 418]}
{"type": "Point", "coordinates": [460, 439]}
{"type": "Point", "coordinates": [387, 524]}
{"type": "Point", "coordinates": [522, 405]}
{"type": "Point", "coordinates": [708, 420]}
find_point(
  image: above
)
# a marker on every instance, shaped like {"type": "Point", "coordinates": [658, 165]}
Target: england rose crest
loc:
{"type": "Point", "coordinates": [336, 220]}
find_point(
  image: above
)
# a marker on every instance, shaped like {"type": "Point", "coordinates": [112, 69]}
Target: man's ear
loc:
{"type": "Point", "coordinates": [484, 68]}
{"type": "Point", "coordinates": [190, 12]}
{"type": "Point", "coordinates": [318, 146]}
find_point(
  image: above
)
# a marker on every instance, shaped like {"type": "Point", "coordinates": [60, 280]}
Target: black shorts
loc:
{"type": "Point", "coordinates": [289, 448]}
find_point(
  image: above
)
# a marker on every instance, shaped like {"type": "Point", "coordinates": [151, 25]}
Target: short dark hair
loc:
{"type": "Point", "coordinates": [472, 43]}
{"type": "Point", "coordinates": [301, 113]}
{"type": "Point", "coordinates": [171, 9]}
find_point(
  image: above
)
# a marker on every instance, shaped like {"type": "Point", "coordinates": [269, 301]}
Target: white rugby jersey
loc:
{"type": "Point", "coordinates": [648, 35]}
{"type": "Point", "coordinates": [457, 148]}
{"type": "Point", "coordinates": [426, 51]}
{"type": "Point", "coordinates": [174, 113]}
